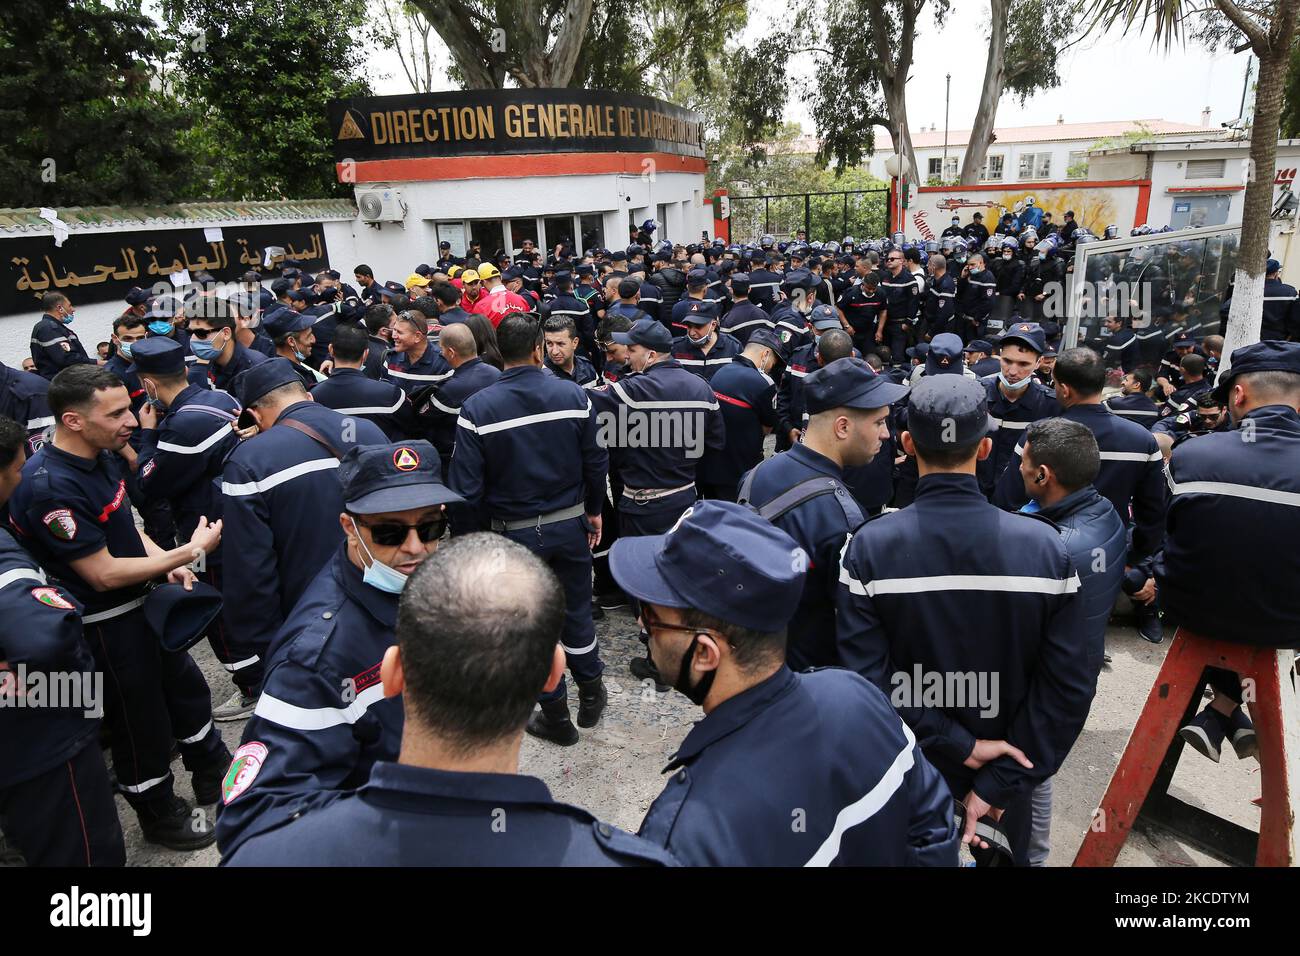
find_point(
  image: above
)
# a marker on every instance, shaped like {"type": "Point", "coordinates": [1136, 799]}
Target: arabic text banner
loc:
{"type": "Point", "coordinates": [105, 266]}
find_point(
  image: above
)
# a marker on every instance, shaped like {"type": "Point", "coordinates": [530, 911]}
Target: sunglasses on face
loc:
{"type": "Point", "coordinates": [392, 534]}
{"type": "Point", "coordinates": [203, 334]}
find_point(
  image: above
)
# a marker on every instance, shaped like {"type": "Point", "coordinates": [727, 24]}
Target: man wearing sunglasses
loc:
{"type": "Point", "coordinates": [844, 781]}
{"type": "Point", "coordinates": [323, 720]}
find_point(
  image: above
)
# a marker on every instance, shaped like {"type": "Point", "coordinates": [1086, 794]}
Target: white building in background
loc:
{"type": "Point", "coordinates": [1057, 153]}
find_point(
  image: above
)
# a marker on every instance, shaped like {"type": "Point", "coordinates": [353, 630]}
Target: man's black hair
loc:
{"type": "Point", "coordinates": [350, 343]}
{"type": "Point", "coordinates": [517, 336]}
{"type": "Point", "coordinates": [1083, 370]}
{"type": "Point", "coordinates": [1066, 447]}
{"type": "Point", "coordinates": [76, 385]}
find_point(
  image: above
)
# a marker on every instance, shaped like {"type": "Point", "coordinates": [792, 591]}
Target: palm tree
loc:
{"type": "Point", "coordinates": [1269, 27]}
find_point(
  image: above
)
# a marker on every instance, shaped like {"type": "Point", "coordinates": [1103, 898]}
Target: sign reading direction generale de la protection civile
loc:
{"type": "Point", "coordinates": [503, 122]}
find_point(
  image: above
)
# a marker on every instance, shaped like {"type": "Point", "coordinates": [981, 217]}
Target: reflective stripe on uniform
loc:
{"type": "Point", "coordinates": [374, 409]}
{"type": "Point", "coordinates": [871, 804]}
{"type": "Point", "coordinates": [1232, 490]}
{"type": "Point", "coordinates": [22, 574]}
{"type": "Point", "coordinates": [618, 390]}
{"type": "Point", "coordinates": [203, 446]}
{"type": "Point", "coordinates": [279, 477]}
{"type": "Point", "coordinates": [292, 716]}
{"type": "Point", "coordinates": [1018, 584]}
{"type": "Point", "coordinates": [112, 612]}
{"type": "Point", "coordinates": [491, 427]}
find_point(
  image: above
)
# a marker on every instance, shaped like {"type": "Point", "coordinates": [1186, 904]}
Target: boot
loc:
{"type": "Point", "coordinates": [207, 782]}
{"type": "Point", "coordinates": [591, 701]}
{"type": "Point", "coordinates": [171, 822]}
{"type": "Point", "coordinates": [552, 723]}
{"type": "Point", "coordinates": [643, 668]}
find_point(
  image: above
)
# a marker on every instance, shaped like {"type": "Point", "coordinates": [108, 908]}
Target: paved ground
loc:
{"type": "Point", "coordinates": [615, 770]}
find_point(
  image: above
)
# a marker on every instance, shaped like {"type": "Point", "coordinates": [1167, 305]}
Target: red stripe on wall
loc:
{"type": "Point", "coordinates": [528, 164]}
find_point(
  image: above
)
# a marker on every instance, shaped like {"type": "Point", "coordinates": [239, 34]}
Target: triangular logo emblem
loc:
{"type": "Point", "coordinates": [350, 129]}
{"type": "Point", "coordinates": [406, 459]}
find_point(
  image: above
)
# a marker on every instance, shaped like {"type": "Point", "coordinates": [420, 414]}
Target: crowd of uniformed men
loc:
{"type": "Point", "coordinates": [383, 505]}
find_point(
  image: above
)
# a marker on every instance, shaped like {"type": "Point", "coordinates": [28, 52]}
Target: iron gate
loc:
{"type": "Point", "coordinates": [862, 213]}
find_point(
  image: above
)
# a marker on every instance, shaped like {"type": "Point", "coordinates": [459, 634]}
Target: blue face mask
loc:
{"type": "Point", "coordinates": [159, 327]}
{"type": "Point", "coordinates": [66, 319]}
{"type": "Point", "coordinates": [301, 357]}
{"type": "Point", "coordinates": [1017, 386]}
{"type": "Point", "coordinates": [124, 350]}
{"type": "Point", "coordinates": [377, 574]}
{"type": "Point", "coordinates": [204, 350]}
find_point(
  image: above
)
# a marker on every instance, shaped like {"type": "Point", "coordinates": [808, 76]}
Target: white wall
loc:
{"type": "Point", "coordinates": [397, 248]}
{"type": "Point", "coordinates": [1011, 152]}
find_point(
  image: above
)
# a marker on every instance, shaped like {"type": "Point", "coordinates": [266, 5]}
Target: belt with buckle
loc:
{"type": "Point", "coordinates": [642, 495]}
{"type": "Point", "coordinates": [518, 524]}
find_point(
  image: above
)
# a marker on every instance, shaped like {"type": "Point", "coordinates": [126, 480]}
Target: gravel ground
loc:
{"type": "Point", "coordinates": [614, 771]}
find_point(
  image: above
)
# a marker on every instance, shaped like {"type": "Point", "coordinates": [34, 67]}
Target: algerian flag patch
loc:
{"type": "Point", "coordinates": [61, 524]}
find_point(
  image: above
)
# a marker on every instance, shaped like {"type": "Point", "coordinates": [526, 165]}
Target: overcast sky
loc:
{"type": "Point", "coordinates": [1110, 77]}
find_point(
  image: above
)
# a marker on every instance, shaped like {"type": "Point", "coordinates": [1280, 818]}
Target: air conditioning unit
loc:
{"type": "Point", "coordinates": [381, 205]}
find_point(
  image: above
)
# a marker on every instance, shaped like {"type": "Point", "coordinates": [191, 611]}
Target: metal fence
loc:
{"type": "Point", "coordinates": [862, 213]}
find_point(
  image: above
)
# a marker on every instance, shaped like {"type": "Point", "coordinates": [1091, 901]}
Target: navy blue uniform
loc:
{"type": "Point", "coordinates": [377, 353]}
{"type": "Point", "coordinates": [413, 816]}
{"type": "Point", "coordinates": [1231, 491]}
{"type": "Point", "coordinates": [429, 369]}
{"type": "Point", "coordinates": [440, 409]}
{"type": "Point", "coordinates": [790, 409]}
{"type": "Point", "coordinates": [746, 399]}
{"type": "Point", "coordinates": [1151, 344]}
{"type": "Point", "coordinates": [1123, 351]}
{"type": "Point", "coordinates": [742, 319]}
{"type": "Point", "coordinates": [584, 373]}
{"type": "Point", "coordinates": [826, 743]}
{"type": "Point", "coordinates": [349, 392]}
{"type": "Point", "coordinates": [1183, 399]}
{"type": "Point", "coordinates": [527, 451]}
{"type": "Point", "coordinates": [582, 313]}
{"type": "Point", "coordinates": [940, 305]}
{"type": "Point", "coordinates": [820, 526]}
{"type": "Point", "coordinates": [694, 359]}
{"type": "Point", "coordinates": [322, 720]}
{"type": "Point", "coordinates": [1012, 418]}
{"type": "Point", "coordinates": [975, 294]}
{"type": "Point", "coordinates": [22, 398]}
{"type": "Point", "coordinates": [862, 312]}
{"type": "Point", "coordinates": [658, 477]}
{"type": "Point", "coordinates": [764, 286]}
{"type": "Point", "coordinates": [1136, 408]}
{"type": "Point", "coordinates": [791, 325]}
{"type": "Point", "coordinates": [952, 585]}
{"type": "Point", "coordinates": [56, 347]}
{"type": "Point", "coordinates": [55, 798]}
{"type": "Point", "coordinates": [68, 507]}
{"type": "Point", "coordinates": [650, 300]}
{"type": "Point", "coordinates": [1281, 312]}
{"type": "Point", "coordinates": [181, 463]}
{"type": "Point", "coordinates": [1131, 477]}
{"type": "Point", "coordinates": [223, 376]}
{"type": "Point", "coordinates": [281, 510]}
{"type": "Point", "coordinates": [903, 294]}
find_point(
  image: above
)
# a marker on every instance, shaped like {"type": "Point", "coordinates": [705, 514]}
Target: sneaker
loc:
{"type": "Point", "coordinates": [1148, 622]}
{"type": "Point", "coordinates": [643, 668]}
{"type": "Point", "coordinates": [239, 706]}
{"type": "Point", "coordinates": [1205, 732]}
{"type": "Point", "coordinates": [1242, 734]}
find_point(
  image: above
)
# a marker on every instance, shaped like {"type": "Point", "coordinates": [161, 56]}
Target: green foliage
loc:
{"type": "Point", "coordinates": [76, 90]}
{"type": "Point", "coordinates": [1036, 32]}
{"type": "Point", "coordinates": [258, 75]}
{"type": "Point", "coordinates": [1291, 96]}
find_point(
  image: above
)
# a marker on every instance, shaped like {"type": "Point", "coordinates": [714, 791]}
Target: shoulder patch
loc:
{"type": "Point", "coordinates": [61, 524]}
{"type": "Point", "coordinates": [244, 768]}
{"type": "Point", "coordinates": [147, 470]}
{"type": "Point", "coordinates": [51, 597]}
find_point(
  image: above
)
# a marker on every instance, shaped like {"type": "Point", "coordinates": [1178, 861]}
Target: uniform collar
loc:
{"type": "Point", "coordinates": [85, 464]}
{"type": "Point", "coordinates": [732, 714]}
{"type": "Point", "coordinates": [1275, 411]}
{"type": "Point", "coordinates": [665, 363]}
{"type": "Point", "coordinates": [186, 395]}
{"type": "Point", "coordinates": [949, 485]}
{"type": "Point", "coordinates": [405, 780]}
{"type": "Point", "coordinates": [1071, 503]}
{"type": "Point", "coordinates": [521, 370]}
{"type": "Point", "coordinates": [815, 460]}
{"type": "Point", "coordinates": [380, 605]}
{"type": "Point", "coordinates": [345, 371]}
{"type": "Point", "coordinates": [296, 407]}
{"type": "Point", "coordinates": [468, 363]}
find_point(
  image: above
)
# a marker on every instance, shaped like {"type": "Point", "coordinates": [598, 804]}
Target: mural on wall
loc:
{"type": "Point", "coordinates": [1094, 208]}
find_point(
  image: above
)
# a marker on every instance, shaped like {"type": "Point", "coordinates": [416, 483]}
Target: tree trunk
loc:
{"type": "Point", "coordinates": [981, 134]}
{"type": "Point", "coordinates": [1247, 311]}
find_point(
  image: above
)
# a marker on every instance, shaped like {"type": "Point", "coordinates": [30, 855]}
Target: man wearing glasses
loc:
{"type": "Point", "coordinates": [902, 299]}
{"type": "Point", "coordinates": [323, 720]}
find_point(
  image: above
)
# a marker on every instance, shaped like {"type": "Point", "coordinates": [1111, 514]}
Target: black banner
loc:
{"type": "Point", "coordinates": [497, 122]}
{"type": "Point", "coordinates": [103, 266]}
